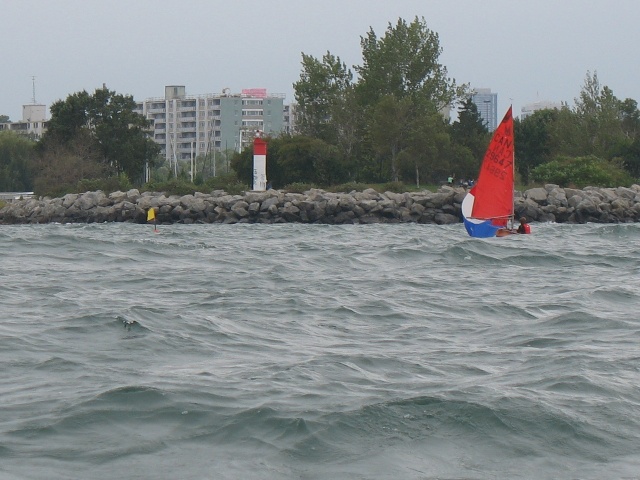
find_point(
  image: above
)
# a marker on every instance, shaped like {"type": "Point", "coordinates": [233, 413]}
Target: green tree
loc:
{"type": "Point", "coordinates": [350, 123]}
{"type": "Point", "coordinates": [294, 159]}
{"type": "Point", "coordinates": [581, 172]}
{"type": "Point", "coordinates": [429, 143]}
{"type": "Point", "coordinates": [599, 116]}
{"type": "Point", "coordinates": [630, 118]}
{"type": "Point", "coordinates": [16, 157]}
{"type": "Point", "coordinates": [108, 120]}
{"type": "Point", "coordinates": [401, 85]}
{"type": "Point", "coordinates": [68, 118]}
{"type": "Point", "coordinates": [470, 132]}
{"type": "Point", "coordinates": [319, 93]}
{"type": "Point", "coordinates": [630, 157]}
{"type": "Point", "coordinates": [405, 63]}
{"type": "Point", "coordinates": [390, 129]}
{"type": "Point", "coordinates": [61, 166]}
{"type": "Point", "coordinates": [4, 119]}
{"type": "Point", "coordinates": [308, 160]}
{"type": "Point", "coordinates": [400, 76]}
{"type": "Point", "coordinates": [534, 141]}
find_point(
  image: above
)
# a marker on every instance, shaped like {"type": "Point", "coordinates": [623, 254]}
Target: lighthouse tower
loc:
{"type": "Point", "coordinates": [259, 164]}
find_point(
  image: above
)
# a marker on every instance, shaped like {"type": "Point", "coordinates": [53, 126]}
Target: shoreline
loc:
{"type": "Point", "coordinates": [542, 204]}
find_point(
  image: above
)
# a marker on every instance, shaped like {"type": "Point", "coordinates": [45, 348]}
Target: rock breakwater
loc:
{"type": "Point", "coordinates": [543, 204]}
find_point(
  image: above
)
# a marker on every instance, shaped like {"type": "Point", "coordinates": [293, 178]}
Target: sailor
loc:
{"type": "Point", "coordinates": [524, 226]}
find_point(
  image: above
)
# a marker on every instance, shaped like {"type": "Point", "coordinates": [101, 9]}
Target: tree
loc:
{"type": "Point", "coordinates": [108, 120]}
{"type": "Point", "coordinates": [534, 141]}
{"type": "Point", "coordinates": [400, 76]}
{"type": "Point", "coordinates": [350, 124]}
{"type": "Point", "coordinates": [470, 132]}
{"type": "Point", "coordinates": [16, 156]}
{"type": "Point", "coordinates": [389, 128]}
{"type": "Point", "coordinates": [428, 144]}
{"type": "Point", "coordinates": [60, 166]}
{"type": "Point", "coordinates": [294, 159]}
{"type": "Point", "coordinates": [404, 63]}
{"type": "Point", "coordinates": [630, 117]}
{"type": "Point", "coordinates": [630, 156]}
{"type": "Point", "coordinates": [319, 92]}
{"type": "Point", "coordinates": [599, 115]}
{"type": "Point", "coordinates": [68, 118]}
{"type": "Point", "coordinates": [308, 160]}
{"type": "Point", "coordinates": [4, 119]}
{"type": "Point", "coordinates": [581, 172]}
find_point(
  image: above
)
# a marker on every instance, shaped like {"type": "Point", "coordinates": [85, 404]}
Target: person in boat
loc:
{"type": "Point", "coordinates": [524, 226]}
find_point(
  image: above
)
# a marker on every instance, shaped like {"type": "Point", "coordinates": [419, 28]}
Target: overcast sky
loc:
{"type": "Point", "coordinates": [525, 51]}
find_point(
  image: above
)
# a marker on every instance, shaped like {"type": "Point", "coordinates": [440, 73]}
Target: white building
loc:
{"type": "Point", "coordinates": [33, 124]}
{"type": "Point", "coordinates": [530, 108]}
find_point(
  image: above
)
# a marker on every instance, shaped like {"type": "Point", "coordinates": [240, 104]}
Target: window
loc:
{"type": "Point", "coordinates": [252, 123]}
{"type": "Point", "coordinates": [252, 113]}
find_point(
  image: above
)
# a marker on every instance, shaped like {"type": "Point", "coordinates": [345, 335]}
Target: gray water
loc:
{"type": "Point", "coordinates": [318, 352]}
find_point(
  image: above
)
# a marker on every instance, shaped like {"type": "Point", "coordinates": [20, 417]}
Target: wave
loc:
{"type": "Point", "coordinates": [408, 351]}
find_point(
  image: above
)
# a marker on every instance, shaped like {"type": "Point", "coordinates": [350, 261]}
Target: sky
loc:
{"type": "Point", "coordinates": [525, 51]}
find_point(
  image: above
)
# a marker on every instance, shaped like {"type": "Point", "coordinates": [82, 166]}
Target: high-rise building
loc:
{"type": "Point", "coordinates": [487, 104]}
{"type": "Point", "coordinates": [185, 126]}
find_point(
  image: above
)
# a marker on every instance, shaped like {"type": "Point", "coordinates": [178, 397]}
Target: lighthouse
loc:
{"type": "Point", "coordinates": [259, 164]}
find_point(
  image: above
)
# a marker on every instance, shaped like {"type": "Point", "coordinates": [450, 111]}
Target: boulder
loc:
{"type": "Point", "coordinates": [538, 195]}
{"type": "Point", "coordinates": [548, 203]}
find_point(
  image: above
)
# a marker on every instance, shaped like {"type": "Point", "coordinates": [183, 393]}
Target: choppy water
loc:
{"type": "Point", "coordinates": [318, 352]}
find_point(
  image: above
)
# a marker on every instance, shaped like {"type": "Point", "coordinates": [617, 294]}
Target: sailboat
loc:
{"type": "Point", "coordinates": [487, 208]}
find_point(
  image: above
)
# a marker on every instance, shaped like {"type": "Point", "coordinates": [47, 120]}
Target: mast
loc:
{"type": "Point", "coordinates": [513, 166]}
{"type": "Point", "coordinates": [33, 82]}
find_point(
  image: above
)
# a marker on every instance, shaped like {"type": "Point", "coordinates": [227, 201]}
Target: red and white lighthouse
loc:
{"type": "Point", "coordinates": [259, 165]}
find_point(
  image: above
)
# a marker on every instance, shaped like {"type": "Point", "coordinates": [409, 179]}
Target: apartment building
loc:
{"type": "Point", "coordinates": [33, 124]}
{"type": "Point", "coordinates": [185, 126]}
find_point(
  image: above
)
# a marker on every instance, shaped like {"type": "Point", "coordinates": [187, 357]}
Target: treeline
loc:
{"type": "Point", "coordinates": [385, 121]}
{"type": "Point", "coordinates": [597, 142]}
{"type": "Point", "coordinates": [387, 125]}
{"type": "Point", "coordinates": [88, 138]}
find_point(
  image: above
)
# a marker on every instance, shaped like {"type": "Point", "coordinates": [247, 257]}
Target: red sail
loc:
{"type": "Point", "coordinates": [494, 190]}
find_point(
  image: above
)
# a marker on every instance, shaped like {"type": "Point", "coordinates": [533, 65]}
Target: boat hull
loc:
{"type": "Point", "coordinates": [477, 228]}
